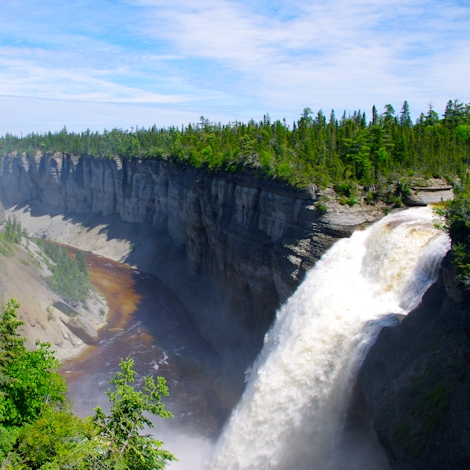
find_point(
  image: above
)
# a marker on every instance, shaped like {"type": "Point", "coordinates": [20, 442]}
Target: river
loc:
{"type": "Point", "coordinates": [147, 321]}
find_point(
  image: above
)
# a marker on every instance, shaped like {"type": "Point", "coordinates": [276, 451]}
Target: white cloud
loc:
{"type": "Point", "coordinates": [237, 58]}
{"type": "Point", "coordinates": [341, 53]}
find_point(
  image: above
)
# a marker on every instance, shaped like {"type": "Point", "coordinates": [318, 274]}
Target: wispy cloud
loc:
{"type": "Point", "coordinates": [340, 52]}
{"type": "Point", "coordinates": [237, 57]}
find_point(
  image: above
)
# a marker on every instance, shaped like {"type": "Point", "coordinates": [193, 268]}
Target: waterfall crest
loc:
{"type": "Point", "coordinates": [293, 408]}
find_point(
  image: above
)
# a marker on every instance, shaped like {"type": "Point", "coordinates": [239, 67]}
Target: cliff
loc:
{"type": "Point", "coordinates": [414, 386]}
{"type": "Point", "coordinates": [241, 244]}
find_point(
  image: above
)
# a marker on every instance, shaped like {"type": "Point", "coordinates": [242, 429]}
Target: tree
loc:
{"type": "Point", "coordinates": [121, 444]}
{"type": "Point", "coordinates": [405, 118]}
{"type": "Point", "coordinates": [38, 429]}
{"type": "Point", "coordinates": [29, 378]}
{"type": "Point", "coordinates": [375, 115]}
{"type": "Point", "coordinates": [80, 261]}
{"type": "Point", "coordinates": [432, 118]}
{"type": "Point", "coordinates": [388, 114]}
{"type": "Point", "coordinates": [56, 440]}
{"type": "Point", "coordinates": [13, 231]}
{"type": "Point", "coordinates": [11, 342]}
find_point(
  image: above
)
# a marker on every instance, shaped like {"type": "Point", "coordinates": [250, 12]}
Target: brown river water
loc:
{"type": "Point", "coordinates": [147, 321]}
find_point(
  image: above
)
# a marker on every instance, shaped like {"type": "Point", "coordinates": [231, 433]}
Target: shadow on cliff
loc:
{"type": "Point", "coordinates": [150, 251]}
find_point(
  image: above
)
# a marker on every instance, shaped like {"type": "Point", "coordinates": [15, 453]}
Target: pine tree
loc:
{"type": "Point", "coordinates": [405, 118]}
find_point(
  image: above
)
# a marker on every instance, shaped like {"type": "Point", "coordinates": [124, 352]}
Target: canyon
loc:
{"type": "Point", "coordinates": [234, 248]}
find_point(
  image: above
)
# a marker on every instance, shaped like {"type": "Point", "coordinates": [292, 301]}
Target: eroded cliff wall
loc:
{"type": "Point", "coordinates": [415, 381]}
{"type": "Point", "coordinates": [252, 240]}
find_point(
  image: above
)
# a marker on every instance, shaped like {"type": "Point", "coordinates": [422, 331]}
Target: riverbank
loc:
{"type": "Point", "coordinates": [46, 317]}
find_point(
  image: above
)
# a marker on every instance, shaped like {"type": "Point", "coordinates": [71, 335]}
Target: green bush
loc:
{"type": "Point", "coordinates": [38, 429]}
{"type": "Point", "coordinates": [457, 215]}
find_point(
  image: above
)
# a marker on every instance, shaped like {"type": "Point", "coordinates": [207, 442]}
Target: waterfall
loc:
{"type": "Point", "coordinates": [292, 412]}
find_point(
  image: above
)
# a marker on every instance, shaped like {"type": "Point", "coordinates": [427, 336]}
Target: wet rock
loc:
{"type": "Point", "coordinates": [416, 382]}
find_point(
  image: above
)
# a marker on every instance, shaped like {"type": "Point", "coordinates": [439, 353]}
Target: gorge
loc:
{"type": "Point", "coordinates": [234, 248]}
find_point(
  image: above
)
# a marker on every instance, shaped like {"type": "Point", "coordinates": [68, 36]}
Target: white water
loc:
{"type": "Point", "coordinates": [292, 412]}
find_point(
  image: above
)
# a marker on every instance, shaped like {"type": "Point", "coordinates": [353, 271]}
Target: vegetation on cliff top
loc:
{"type": "Point", "coordinates": [316, 149]}
{"type": "Point", "coordinates": [39, 431]}
{"type": "Point", "coordinates": [457, 213]}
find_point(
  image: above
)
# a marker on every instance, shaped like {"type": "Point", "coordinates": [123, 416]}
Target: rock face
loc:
{"type": "Point", "coordinates": [415, 382]}
{"type": "Point", "coordinates": [81, 328]}
{"type": "Point", "coordinates": [253, 240]}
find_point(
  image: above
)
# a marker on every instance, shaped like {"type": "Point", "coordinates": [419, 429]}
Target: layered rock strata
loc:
{"type": "Point", "coordinates": [250, 240]}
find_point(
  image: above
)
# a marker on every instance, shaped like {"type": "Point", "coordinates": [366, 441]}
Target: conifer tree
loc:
{"type": "Point", "coordinates": [405, 118]}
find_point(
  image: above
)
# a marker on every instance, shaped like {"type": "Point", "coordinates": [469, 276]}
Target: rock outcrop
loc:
{"type": "Point", "coordinates": [251, 240]}
{"type": "Point", "coordinates": [415, 382]}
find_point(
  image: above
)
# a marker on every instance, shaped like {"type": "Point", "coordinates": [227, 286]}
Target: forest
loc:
{"type": "Point", "coordinates": [315, 150]}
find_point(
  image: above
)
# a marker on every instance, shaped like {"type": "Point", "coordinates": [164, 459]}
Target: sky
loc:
{"type": "Point", "coordinates": [123, 63]}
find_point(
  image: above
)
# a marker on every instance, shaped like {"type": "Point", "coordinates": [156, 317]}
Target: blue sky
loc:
{"type": "Point", "coordinates": [121, 63]}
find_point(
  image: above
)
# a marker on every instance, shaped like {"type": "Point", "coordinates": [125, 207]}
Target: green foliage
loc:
{"type": "Point", "coordinates": [13, 230]}
{"type": "Point", "coordinates": [122, 445]}
{"type": "Point", "coordinates": [321, 208]}
{"type": "Point", "coordinates": [8, 437]}
{"type": "Point", "coordinates": [433, 405]}
{"type": "Point", "coordinates": [11, 342]}
{"type": "Point", "coordinates": [457, 213]}
{"type": "Point", "coordinates": [430, 410]}
{"type": "Point", "coordinates": [5, 246]}
{"type": "Point", "coordinates": [57, 439]}
{"type": "Point", "coordinates": [69, 276]}
{"type": "Point", "coordinates": [312, 150]}
{"type": "Point", "coordinates": [35, 383]}
{"type": "Point", "coordinates": [403, 187]}
{"type": "Point", "coordinates": [28, 378]}
{"type": "Point", "coordinates": [39, 431]}
{"type": "Point", "coordinates": [368, 198]}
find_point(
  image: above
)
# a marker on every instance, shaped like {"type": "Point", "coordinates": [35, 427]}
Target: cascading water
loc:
{"type": "Point", "coordinates": [292, 412]}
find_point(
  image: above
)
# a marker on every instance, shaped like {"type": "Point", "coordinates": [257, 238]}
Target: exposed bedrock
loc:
{"type": "Point", "coordinates": [243, 244]}
{"type": "Point", "coordinates": [414, 386]}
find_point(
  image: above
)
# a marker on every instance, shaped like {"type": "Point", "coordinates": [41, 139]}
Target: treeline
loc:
{"type": "Point", "coordinates": [316, 149]}
{"type": "Point", "coordinates": [38, 429]}
{"type": "Point", "coordinates": [70, 277]}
